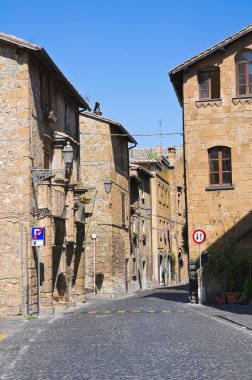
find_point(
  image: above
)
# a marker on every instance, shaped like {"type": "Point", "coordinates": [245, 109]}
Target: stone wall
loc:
{"type": "Point", "coordinates": [141, 261]}
{"type": "Point", "coordinates": [25, 203]}
{"type": "Point", "coordinates": [224, 214]}
{"type": "Point", "coordinates": [15, 164]}
{"type": "Point", "coordinates": [62, 259]}
{"type": "Point", "coordinates": [177, 205]}
{"type": "Point", "coordinates": [100, 158]}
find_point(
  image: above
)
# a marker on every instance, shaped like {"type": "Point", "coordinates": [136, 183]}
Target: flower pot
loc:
{"type": "Point", "coordinates": [221, 299]}
{"type": "Point", "coordinates": [232, 297]}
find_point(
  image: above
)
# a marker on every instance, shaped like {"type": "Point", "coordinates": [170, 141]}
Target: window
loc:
{"type": "Point", "coordinates": [209, 84]}
{"type": "Point", "coordinates": [121, 156]}
{"type": "Point", "coordinates": [67, 119]}
{"type": "Point", "coordinates": [220, 166]}
{"type": "Point", "coordinates": [45, 93]}
{"type": "Point", "coordinates": [143, 227]}
{"type": "Point", "coordinates": [46, 159]}
{"type": "Point", "coordinates": [159, 193]}
{"type": "Point", "coordinates": [123, 209]}
{"type": "Point", "coordinates": [167, 198]}
{"type": "Point", "coordinates": [244, 73]}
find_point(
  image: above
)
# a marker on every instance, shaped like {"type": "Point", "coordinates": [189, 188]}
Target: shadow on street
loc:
{"type": "Point", "coordinates": [174, 294]}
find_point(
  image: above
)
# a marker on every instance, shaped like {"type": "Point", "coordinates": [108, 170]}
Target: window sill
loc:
{"type": "Point", "coordinates": [220, 187]}
{"type": "Point", "coordinates": [242, 100]}
{"type": "Point", "coordinates": [208, 103]}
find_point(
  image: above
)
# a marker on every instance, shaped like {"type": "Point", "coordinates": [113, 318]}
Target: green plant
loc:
{"type": "Point", "coordinates": [227, 265]}
{"type": "Point", "coordinates": [31, 317]}
{"type": "Point", "coordinates": [247, 287]}
{"type": "Point", "coordinates": [185, 238]}
{"type": "Point", "coordinates": [134, 236]}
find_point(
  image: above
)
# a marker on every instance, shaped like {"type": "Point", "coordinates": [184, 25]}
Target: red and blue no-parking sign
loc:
{"type": "Point", "coordinates": [38, 236]}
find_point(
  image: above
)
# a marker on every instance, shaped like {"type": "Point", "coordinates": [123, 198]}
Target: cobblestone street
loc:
{"type": "Point", "coordinates": [154, 334]}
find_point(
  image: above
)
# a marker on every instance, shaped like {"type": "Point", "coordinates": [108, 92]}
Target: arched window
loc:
{"type": "Point", "coordinates": [244, 73]}
{"type": "Point", "coordinates": [220, 170]}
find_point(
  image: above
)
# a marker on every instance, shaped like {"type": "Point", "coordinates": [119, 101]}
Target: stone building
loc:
{"type": "Point", "coordinates": [141, 231]}
{"type": "Point", "coordinates": [38, 118]}
{"type": "Point", "coordinates": [214, 89]}
{"type": "Point", "coordinates": [105, 173]}
{"type": "Point", "coordinates": [158, 166]}
{"type": "Point", "coordinates": [177, 205]}
{"type": "Point", "coordinates": [168, 211]}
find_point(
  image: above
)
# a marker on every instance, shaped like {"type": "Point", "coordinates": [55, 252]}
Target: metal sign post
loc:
{"type": "Point", "coordinates": [27, 279]}
{"type": "Point", "coordinates": [38, 280]}
{"type": "Point", "coordinates": [38, 240]}
{"type": "Point", "coordinates": [199, 236]}
{"type": "Point", "coordinates": [94, 240]}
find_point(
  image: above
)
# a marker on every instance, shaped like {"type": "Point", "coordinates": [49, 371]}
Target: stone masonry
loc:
{"type": "Point", "coordinates": [223, 212]}
{"type": "Point", "coordinates": [104, 155]}
{"type": "Point", "coordinates": [37, 119]}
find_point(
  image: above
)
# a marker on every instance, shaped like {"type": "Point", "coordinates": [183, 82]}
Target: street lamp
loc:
{"type": "Point", "coordinates": [107, 185]}
{"type": "Point", "coordinates": [68, 154]}
{"type": "Point", "coordinates": [148, 210]}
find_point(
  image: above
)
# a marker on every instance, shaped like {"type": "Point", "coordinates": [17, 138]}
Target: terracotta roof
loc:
{"type": "Point", "coordinates": [212, 49]}
{"type": "Point", "coordinates": [122, 130]}
{"type": "Point", "coordinates": [41, 53]}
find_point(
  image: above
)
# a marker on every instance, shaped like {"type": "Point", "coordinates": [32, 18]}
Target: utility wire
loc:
{"type": "Point", "coordinates": [129, 134]}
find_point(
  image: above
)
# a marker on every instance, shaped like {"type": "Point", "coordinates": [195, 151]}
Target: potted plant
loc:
{"type": "Point", "coordinates": [246, 292]}
{"type": "Point", "coordinates": [84, 199]}
{"type": "Point", "coordinates": [224, 266]}
{"type": "Point", "coordinates": [134, 237]}
{"type": "Point", "coordinates": [221, 299]}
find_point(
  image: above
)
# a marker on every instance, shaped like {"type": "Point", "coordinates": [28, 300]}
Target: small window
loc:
{"type": "Point", "coordinates": [244, 73]}
{"type": "Point", "coordinates": [159, 192]}
{"type": "Point", "coordinates": [45, 93]}
{"type": "Point", "coordinates": [134, 267]}
{"type": "Point", "coordinates": [121, 156]}
{"type": "Point", "coordinates": [143, 227]}
{"type": "Point", "coordinates": [46, 159]}
{"type": "Point", "coordinates": [67, 119]}
{"type": "Point", "coordinates": [123, 209]}
{"type": "Point", "coordinates": [209, 84]}
{"type": "Point", "coordinates": [220, 171]}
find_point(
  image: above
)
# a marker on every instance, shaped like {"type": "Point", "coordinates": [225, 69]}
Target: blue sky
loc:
{"type": "Point", "coordinates": [118, 52]}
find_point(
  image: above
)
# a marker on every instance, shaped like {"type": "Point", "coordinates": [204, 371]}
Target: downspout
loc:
{"type": "Point", "coordinates": [131, 147]}
{"type": "Point", "coordinates": [185, 181]}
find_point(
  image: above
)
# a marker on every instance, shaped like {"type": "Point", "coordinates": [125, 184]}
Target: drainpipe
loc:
{"type": "Point", "coordinates": [193, 291]}
{"type": "Point", "coordinates": [131, 147]}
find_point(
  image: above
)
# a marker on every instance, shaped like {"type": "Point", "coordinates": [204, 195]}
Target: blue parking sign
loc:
{"type": "Point", "coordinates": [38, 236]}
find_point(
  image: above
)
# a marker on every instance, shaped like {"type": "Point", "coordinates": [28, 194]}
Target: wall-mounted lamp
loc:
{"type": "Point", "coordinates": [107, 185]}
{"type": "Point", "coordinates": [68, 154]}
{"type": "Point", "coordinates": [172, 222]}
{"type": "Point", "coordinates": [148, 210]}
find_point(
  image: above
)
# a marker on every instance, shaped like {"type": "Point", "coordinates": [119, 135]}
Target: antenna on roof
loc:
{"type": "Point", "coordinates": [97, 109]}
{"type": "Point", "coordinates": [160, 132]}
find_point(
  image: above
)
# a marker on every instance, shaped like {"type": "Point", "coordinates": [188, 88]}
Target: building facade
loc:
{"type": "Point", "coordinates": [178, 211]}
{"type": "Point", "coordinates": [39, 117]}
{"type": "Point", "coordinates": [141, 228]}
{"type": "Point", "coordinates": [214, 91]}
{"type": "Point", "coordinates": [105, 173]}
{"type": "Point", "coordinates": [158, 166]}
